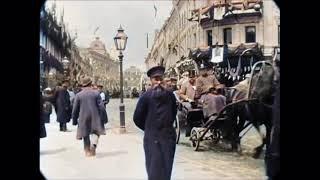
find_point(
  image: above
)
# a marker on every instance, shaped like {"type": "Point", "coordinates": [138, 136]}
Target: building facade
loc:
{"type": "Point", "coordinates": [251, 22]}
{"type": "Point", "coordinates": [132, 77]}
{"type": "Point", "coordinates": [202, 23]}
{"type": "Point", "coordinates": [55, 44]}
{"type": "Point", "coordinates": [80, 66]}
{"type": "Point", "coordinates": [177, 36]}
{"type": "Point", "coordinates": [105, 69]}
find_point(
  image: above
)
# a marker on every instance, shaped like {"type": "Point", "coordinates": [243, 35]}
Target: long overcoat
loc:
{"type": "Point", "coordinates": [156, 119]}
{"type": "Point", "coordinates": [272, 157]}
{"type": "Point", "coordinates": [86, 113]}
{"type": "Point", "coordinates": [43, 132]}
{"type": "Point", "coordinates": [63, 105]}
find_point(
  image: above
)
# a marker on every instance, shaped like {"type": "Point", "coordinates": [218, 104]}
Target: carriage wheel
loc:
{"type": "Point", "coordinates": [177, 128]}
{"type": "Point", "coordinates": [216, 136]}
{"type": "Point", "coordinates": [194, 139]}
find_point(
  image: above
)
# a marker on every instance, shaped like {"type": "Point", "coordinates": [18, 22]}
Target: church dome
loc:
{"type": "Point", "coordinates": [98, 46]}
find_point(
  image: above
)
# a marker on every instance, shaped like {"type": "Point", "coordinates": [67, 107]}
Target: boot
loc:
{"type": "Point", "coordinates": [93, 150]}
{"type": "Point", "coordinates": [87, 152]}
{"type": "Point", "coordinates": [61, 127]}
{"type": "Point", "coordinates": [64, 128]}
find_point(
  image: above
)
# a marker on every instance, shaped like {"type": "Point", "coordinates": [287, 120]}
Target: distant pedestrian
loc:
{"type": "Point", "coordinates": [104, 102]}
{"type": "Point", "coordinates": [107, 95]}
{"type": "Point", "coordinates": [102, 95]}
{"type": "Point", "coordinates": [72, 95]}
{"type": "Point", "coordinates": [43, 132]}
{"type": "Point", "coordinates": [155, 114]}
{"type": "Point", "coordinates": [86, 114]}
{"type": "Point", "coordinates": [77, 89]}
{"type": "Point", "coordinates": [63, 105]}
{"type": "Point", "coordinates": [48, 99]}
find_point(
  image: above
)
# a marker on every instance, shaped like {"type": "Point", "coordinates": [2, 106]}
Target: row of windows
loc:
{"type": "Point", "coordinates": [227, 35]}
{"type": "Point", "coordinates": [49, 45]}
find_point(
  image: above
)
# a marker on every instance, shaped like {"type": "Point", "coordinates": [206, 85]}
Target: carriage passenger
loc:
{"type": "Point", "coordinates": [188, 90]}
{"type": "Point", "coordinates": [186, 94]}
{"type": "Point", "coordinates": [213, 102]}
{"type": "Point", "coordinates": [184, 79]}
{"type": "Point", "coordinates": [170, 84]}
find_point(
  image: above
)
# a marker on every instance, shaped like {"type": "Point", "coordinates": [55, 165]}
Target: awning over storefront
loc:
{"type": "Point", "coordinates": [248, 52]}
{"type": "Point", "coordinates": [251, 49]}
{"type": "Point", "coordinates": [201, 56]}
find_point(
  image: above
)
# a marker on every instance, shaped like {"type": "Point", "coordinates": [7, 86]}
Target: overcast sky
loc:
{"type": "Point", "coordinates": [136, 17]}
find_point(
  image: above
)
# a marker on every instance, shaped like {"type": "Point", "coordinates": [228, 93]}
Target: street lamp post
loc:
{"type": "Point", "coordinates": [41, 74]}
{"type": "Point", "coordinates": [65, 63]}
{"type": "Point", "coordinates": [120, 41]}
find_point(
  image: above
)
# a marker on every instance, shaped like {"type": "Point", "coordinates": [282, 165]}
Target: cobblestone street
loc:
{"type": "Point", "coordinates": [121, 156]}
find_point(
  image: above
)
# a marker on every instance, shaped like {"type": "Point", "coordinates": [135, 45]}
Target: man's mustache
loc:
{"type": "Point", "coordinates": [158, 86]}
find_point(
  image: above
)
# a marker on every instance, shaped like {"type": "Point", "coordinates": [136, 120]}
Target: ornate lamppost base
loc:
{"type": "Point", "coordinates": [122, 130]}
{"type": "Point", "coordinates": [122, 118]}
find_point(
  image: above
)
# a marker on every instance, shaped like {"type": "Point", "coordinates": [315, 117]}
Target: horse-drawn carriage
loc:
{"type": "Point", "coordinates": [248, 105]}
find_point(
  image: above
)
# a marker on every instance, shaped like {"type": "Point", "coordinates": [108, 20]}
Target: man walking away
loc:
{"type": "Point", "coordinates": [86, 114]}
{"type": "Point", "coordinates": [63, 106]}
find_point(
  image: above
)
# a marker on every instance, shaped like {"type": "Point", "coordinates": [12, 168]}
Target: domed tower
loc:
{"type": "Point", "coordinates": [98, 46]}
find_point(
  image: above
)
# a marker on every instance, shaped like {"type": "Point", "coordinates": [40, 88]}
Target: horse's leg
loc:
{"type": "Point", "coordinates": [268, 125]}
{"type": "Point", "coordinates": [266, 120]}
{"type": "Point", "coordinates": [239, 127]}
{"type": "Point", "coordinates": [258, 150]}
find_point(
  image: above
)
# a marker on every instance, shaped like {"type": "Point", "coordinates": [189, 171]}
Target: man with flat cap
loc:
{"type": "Point", "coordinates": [155, 114]}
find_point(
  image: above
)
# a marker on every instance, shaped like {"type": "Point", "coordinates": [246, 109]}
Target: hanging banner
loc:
{"type": "Point", "coordinates": [218, 13]}
{"type": "Point", "coordinates": [217, 54]}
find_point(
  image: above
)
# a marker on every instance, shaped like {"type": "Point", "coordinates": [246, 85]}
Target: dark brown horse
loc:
{"type": "Point", "coordinates": [255, 109]}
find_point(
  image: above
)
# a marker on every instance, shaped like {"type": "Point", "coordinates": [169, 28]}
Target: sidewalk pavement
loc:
{"type": "Point", "coordinates": [118, 157]}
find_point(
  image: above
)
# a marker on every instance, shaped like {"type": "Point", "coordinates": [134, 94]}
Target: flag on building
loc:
{"type": "Point", "coordinates": [147, 40]}
{"type": "Point", "coordinates": [155, 10]}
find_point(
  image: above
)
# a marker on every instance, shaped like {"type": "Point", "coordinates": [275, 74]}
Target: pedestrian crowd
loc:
{"type": "Point", "coordinates": [85, 105]}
